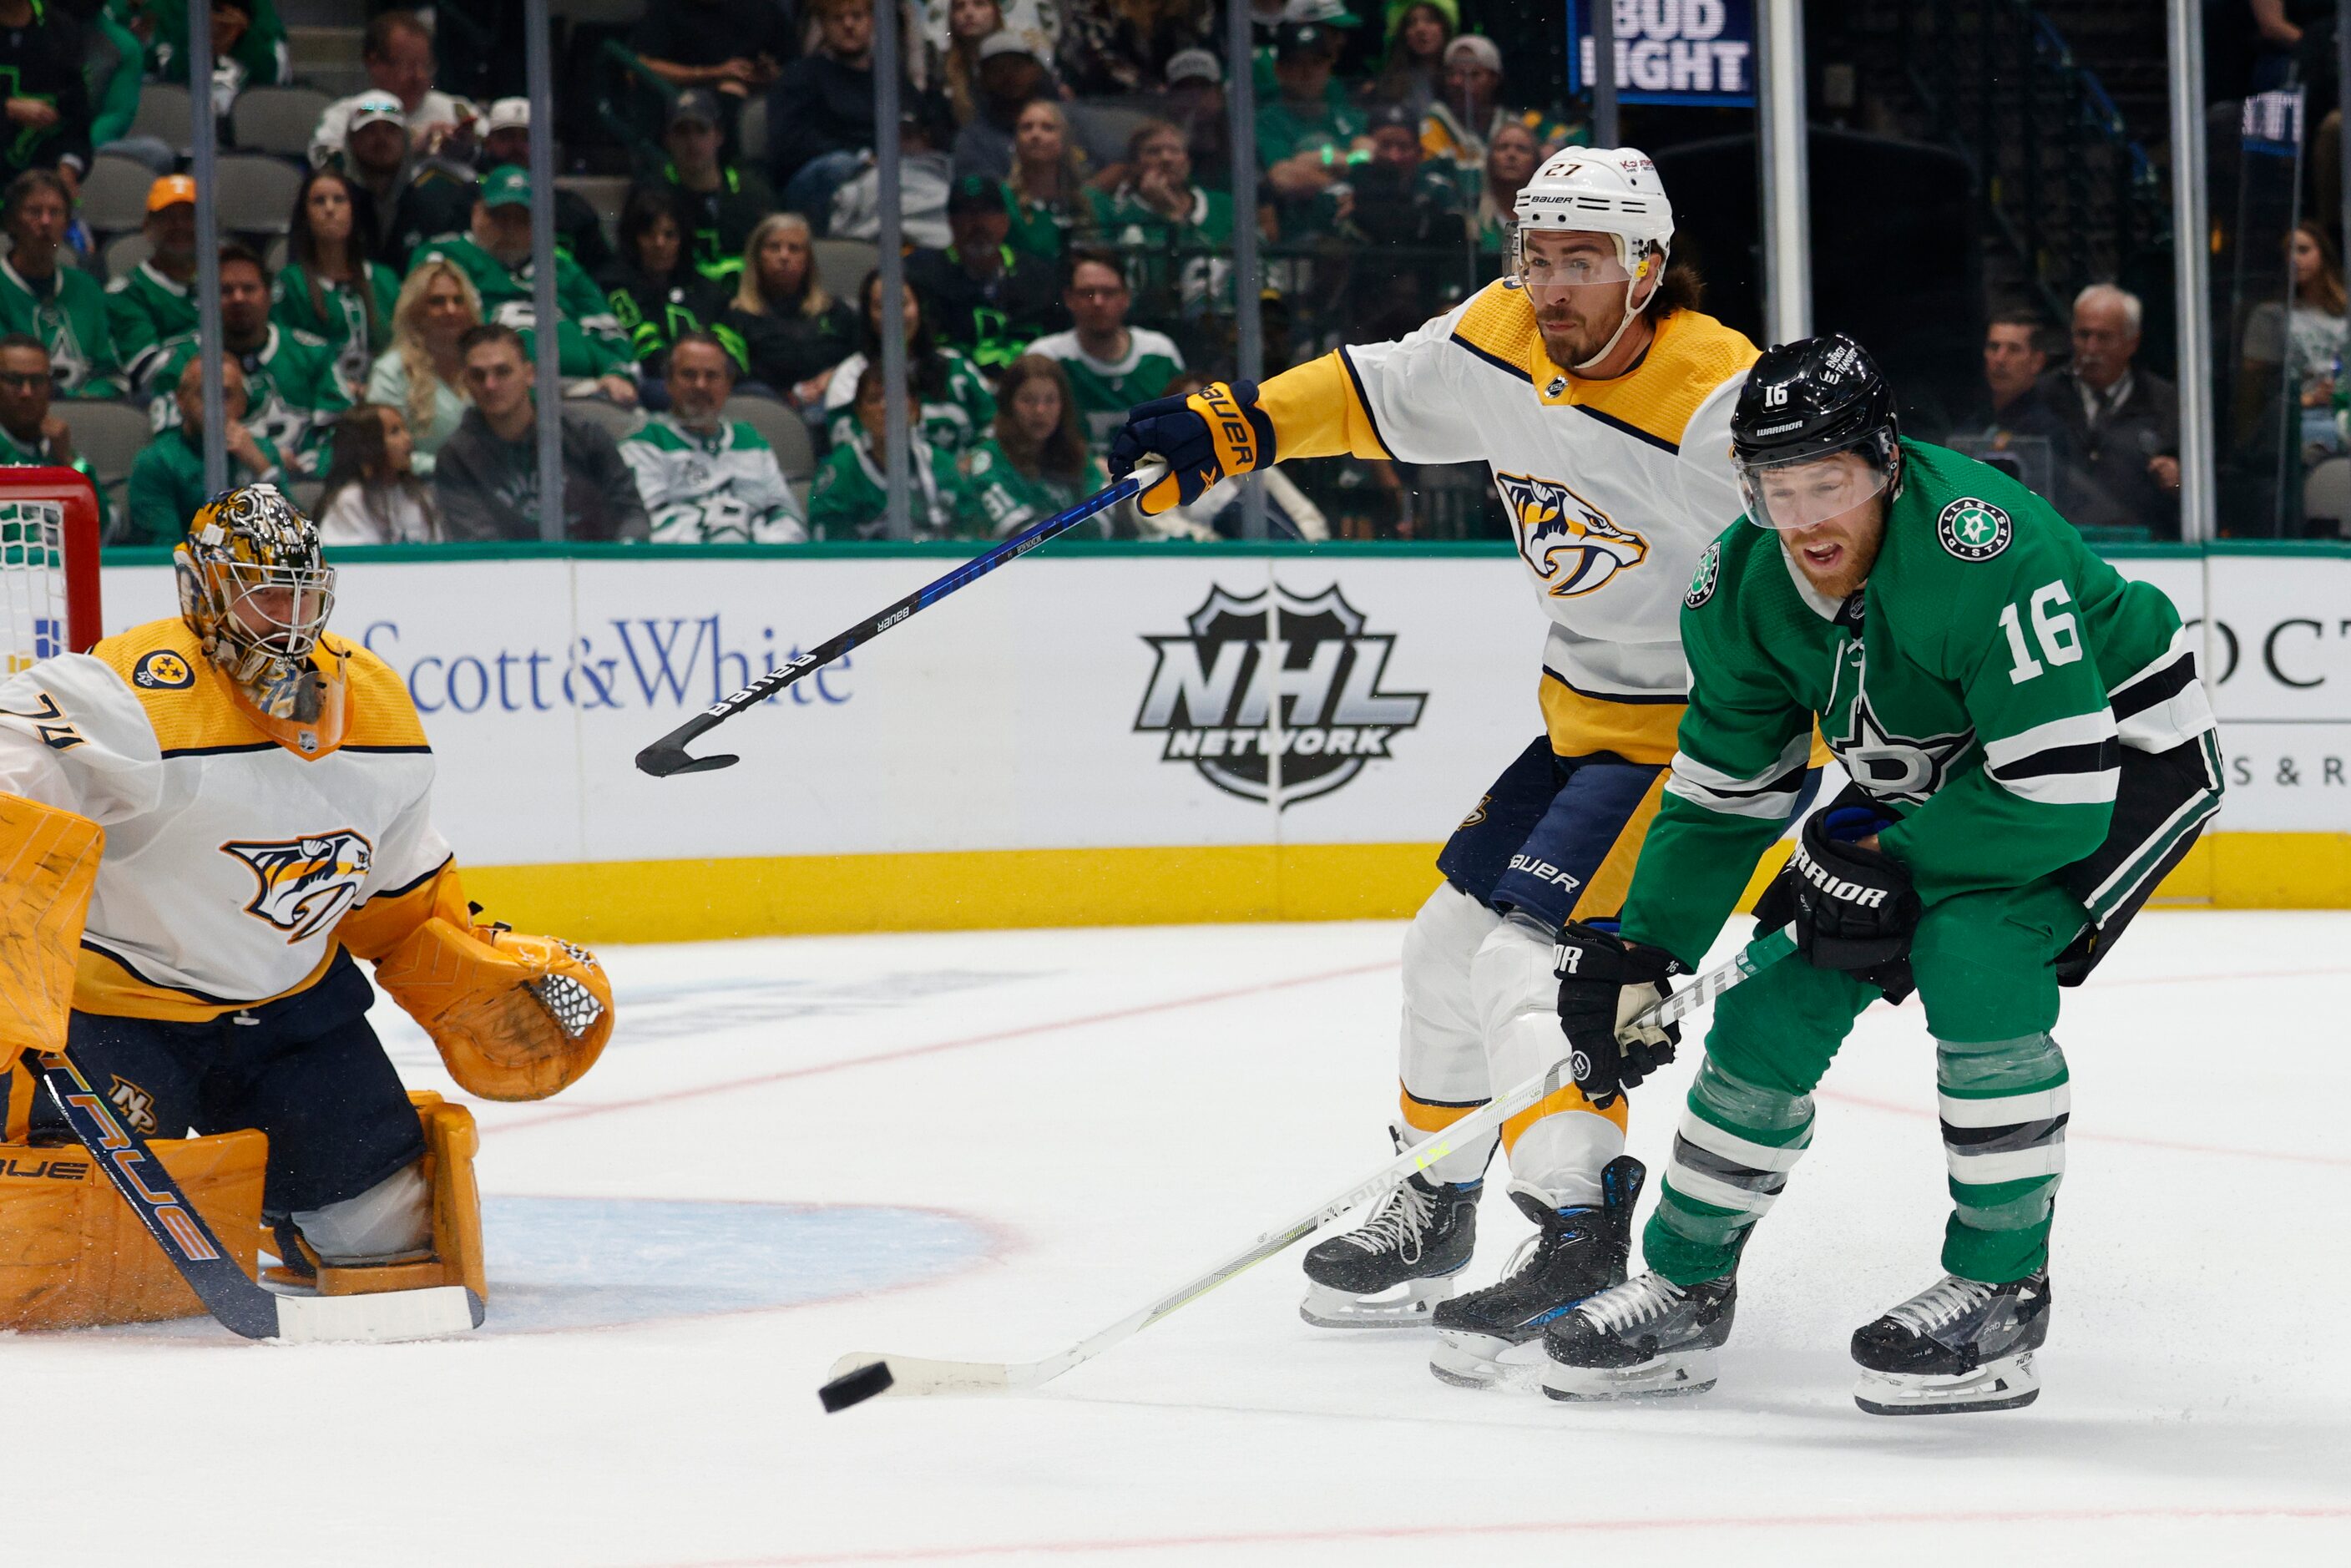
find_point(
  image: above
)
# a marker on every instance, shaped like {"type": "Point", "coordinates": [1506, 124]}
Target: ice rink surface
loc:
{"type": "Point", "coordinates": [989, 1145]}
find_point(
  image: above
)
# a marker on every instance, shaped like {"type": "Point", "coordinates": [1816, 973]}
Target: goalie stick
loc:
{"type": "Point", "coordinates": [668, 755]}
{"type": "Point", "coordinates": [864, 1375]}
{"type": "Point", "coordinates": [242, 1306]}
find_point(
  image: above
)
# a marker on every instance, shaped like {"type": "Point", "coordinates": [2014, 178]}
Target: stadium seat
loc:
{"type": "Point", "coordinates": [1102, 130]}
{"type": "Point", "coordinates": [124, 253]}
{"type": "Point", "coordinates": [114, 194]}
{"type": "Point", "coordinates": [109, 434]}
{"type": "Point", "coordinates": [255, 194]}
{"type": "Point", "coordinates": [751, 132]}
{"type": "Point", "coordinates": [841, 265]}
{"type": "Point", "coordinates": [277, 119]}
{"type": "Point", "coordinates": [786, 431]}
{"type": "Point", "coordinates": [617, 422]}
{"type": "Point", "coordinates": [2326, 495]}
{"type": "Point", "coordinates": [276, 258]}
{"type": "Point", "coordinates": [165, 112]}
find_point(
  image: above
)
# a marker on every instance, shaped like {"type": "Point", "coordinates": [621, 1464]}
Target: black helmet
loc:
{"type": "Point", "coordinates": [1808, 400]}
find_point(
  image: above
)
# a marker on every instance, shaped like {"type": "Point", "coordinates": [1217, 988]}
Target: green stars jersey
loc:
{"type": "Point", "coordinates": [724, 486]}
{"type": "Point", "coordinates": [951, 422]}
{"type": "Point", "coordinates": [291, 392]}
{"type": "Point", "coordinates": [1106, 389]}
{"type": "Point", "coordinates": [588, 338]}
{"type": "Point", "coordinates": [146, 309]}
{"type": "Point", "coordinates": [68, 316]}
{"type": "Point", "coordinates": [340, 319]}
{"type": "Point", "coordinates": [1982, 687]}
{"type": "Point", "coordinates": [852, 495]}
{"type": "Point", "coordinates": [1011, 500]}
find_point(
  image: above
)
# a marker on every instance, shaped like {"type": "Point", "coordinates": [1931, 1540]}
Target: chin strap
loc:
{"type": "Point", "coordinates": [1632, 311]}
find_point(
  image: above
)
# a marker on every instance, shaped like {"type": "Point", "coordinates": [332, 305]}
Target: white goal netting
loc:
{"type": "Point", "coordinates": [32, 582]}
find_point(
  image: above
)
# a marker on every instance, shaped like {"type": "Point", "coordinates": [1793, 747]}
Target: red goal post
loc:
{"type": "Point", "coordinates": [48, 564]}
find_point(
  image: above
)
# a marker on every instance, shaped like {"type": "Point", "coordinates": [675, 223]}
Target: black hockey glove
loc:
{"type": "Point", "coordinates": [1208, 437]}
{"type": "Point", "coordinates": [1604, 982]}
{"type": "Point", "coordinates": [1854, 909]}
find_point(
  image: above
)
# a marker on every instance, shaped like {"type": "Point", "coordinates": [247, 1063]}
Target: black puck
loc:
{"type": "Point", "coordinates": [855, 1387]}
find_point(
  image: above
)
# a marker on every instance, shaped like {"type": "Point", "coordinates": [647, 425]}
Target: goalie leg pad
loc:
{"type": "Point", "coordinates": [514, 1017]}
{"type": "Point", "coordinates": [72, 1253]}
{"type": "Point", "coordinates": [48, 865]}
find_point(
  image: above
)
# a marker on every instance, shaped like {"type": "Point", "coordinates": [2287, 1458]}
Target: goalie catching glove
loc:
{"type": "Point", "coordinates": [1852, 909]}
{"type": "Point", "coordinates": [1204, 438]}
{"type": "Point", "coordinates": [1604, 982]}
{"type": "Point", "coordinates": [514, 1017]}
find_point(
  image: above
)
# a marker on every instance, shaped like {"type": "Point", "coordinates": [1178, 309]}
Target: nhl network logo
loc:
{"type": "Point", "coordinates": [1214, 691]}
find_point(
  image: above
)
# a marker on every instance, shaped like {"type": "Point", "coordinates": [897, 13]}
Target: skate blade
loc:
{"type": "Point", "coordinates": [2008, 1383]}
{"type": "Point", "coordinates": [1665, 1377]}
{"type": "Point", "coordinates": [1483, 1361]}
{"type": "Point", "coordinates": [1412, 1305]}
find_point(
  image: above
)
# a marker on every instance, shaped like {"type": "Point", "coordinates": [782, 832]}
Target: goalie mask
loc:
{"type": "Point", "coordinates": [255, 588]}
{"type": "Point", "coordinates": [1613, 190]}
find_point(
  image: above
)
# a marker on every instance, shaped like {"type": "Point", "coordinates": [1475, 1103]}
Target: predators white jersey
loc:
{"type": "Point", "coordinates": [1614, 487]}
{"type": "Point", "coordinates": [240, 854]}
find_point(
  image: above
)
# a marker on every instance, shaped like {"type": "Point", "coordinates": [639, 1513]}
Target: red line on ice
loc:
{"type": "Point", "coordinates": [1539, 1527]}
{"type": "Point", "coordinates": [909, 1052]}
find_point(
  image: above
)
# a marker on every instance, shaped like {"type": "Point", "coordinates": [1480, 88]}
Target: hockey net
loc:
{"type": "Point", "coordinates": [48, 565]}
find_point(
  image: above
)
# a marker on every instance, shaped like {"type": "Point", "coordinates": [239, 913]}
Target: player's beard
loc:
{"type": "Point", "coordinates": [1857, 554]}
{"type": "Point", "coordinates": [1574, 333]}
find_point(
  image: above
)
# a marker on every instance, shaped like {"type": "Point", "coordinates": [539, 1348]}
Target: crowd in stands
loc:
{"type": "Point", "coordinates": [1065, 186]}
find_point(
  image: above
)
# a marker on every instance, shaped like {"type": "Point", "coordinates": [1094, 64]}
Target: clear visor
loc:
{"type": "Point", "coordinates": [1550, 266]}
{"type": "Point", "coordinates": [1807, 492]}
{"type": "Point", "coordinates": [279, 609]}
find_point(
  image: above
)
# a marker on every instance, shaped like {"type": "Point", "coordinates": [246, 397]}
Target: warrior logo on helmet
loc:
{"type": "Point", "coordinates": [1573, 545]}
{"type": "Point", "coordinates": [306, 883]}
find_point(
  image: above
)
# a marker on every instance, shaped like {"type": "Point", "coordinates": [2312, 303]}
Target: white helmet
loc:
{"type": "Point", "coordinates": [1613, 190]}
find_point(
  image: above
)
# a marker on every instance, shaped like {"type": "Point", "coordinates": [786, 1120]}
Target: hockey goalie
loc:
{"type": "Point", "coordinates": [205, 823]}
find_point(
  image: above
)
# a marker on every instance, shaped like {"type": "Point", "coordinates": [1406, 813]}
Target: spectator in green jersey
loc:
{"type": "Point", "coordinates": [330, 288]}
{"type": "Point", "coordinates": [1305, 135]}
{"type": "Point", "coordinates": [45, 297]}
{"type": "Point", "coordinates": [1045, 195]}
{"type": "Point", "coordinates": [851, 498]}
{"type": "Point", "coordinates": [1034, 462]}
{"type": "Point", "coordinates": [156, 300]}
{"type": "Point", "coordinates": [167, 478]}
{"type": "Point", "coordinates": [956, 405]}
{"type": "Point", "coordinates": [288, 374]}
{"type": "Point", "coordinates": [1173, 231]}
{"type": "Point", "coordinates": [30, 435]}
{"type": "Point", "coordinates": [1111, 366]}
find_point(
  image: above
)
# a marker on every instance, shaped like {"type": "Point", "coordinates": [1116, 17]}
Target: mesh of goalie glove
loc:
{"type": "Point", "coordinates": [514, 1017]}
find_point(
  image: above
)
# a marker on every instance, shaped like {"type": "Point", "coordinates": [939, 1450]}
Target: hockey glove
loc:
{"type": "Point", "coordinates": [1605, 981]}
{"type": "Point", "coordinates": [1208, 437]}
{"type": "Point", "coordinates": [1854, 909]}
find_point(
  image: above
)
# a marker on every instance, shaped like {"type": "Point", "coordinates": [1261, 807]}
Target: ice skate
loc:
{"type": "Point", "coordinates": [1645, 1338]}
{"type": "Point", "coordinates": [1577, 1253]}
{"type": "Point", "coordinates": [1957, 1346]}
{"type": "Point", "coordinates": [1393, 1271]}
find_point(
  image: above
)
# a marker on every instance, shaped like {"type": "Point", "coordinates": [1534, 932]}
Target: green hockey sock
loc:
{"type": "Point", "coordinates": [2003, 1105]}
{"type": "Point", "coordinates": [1731, 1157]}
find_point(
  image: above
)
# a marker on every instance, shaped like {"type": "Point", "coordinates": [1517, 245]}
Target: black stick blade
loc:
{"type": "Point", "coordinates": [855, 1387]}
{"type": "Point", "coordinates": [662, 759]}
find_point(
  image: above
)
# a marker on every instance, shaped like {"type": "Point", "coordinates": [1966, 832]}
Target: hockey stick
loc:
{"type": "Point", "coordinates": [862, 1375]}
{"type": "Point", "coordinates": [668, 756]}
{"type": "Point", "coordinates": [242, 1306]}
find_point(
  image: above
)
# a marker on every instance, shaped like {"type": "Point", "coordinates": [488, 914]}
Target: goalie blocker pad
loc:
{"type": "Point", "coordinates": [514, 1017]}
{"type": "Point", "coordinates": [48, 865]}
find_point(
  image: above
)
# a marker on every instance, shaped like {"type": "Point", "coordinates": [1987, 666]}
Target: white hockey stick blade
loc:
{"type": "Point", "coordinates": [862, 1376]}
{"type": "Point", "coordinates": [383, 1318]}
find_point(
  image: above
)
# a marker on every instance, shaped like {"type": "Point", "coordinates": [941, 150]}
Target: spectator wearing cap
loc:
{"type": "Point", "coordinates": [331, 289]}
{"type": "Point", "coordinates": [1195, 103]}
{"type": "Point", "coordinates": [1402, 203]}
{"type": "Point", "coordinates": [1011, 77]}
{"type": "Point", "coordinates": [30, 436]}
{"type": "Point", "coordinates": [1469, 108]}
{"type": "Point", "coordinates": [47, 299]}
{"type": "Point", "coordinates": [1172, 229]}
{"type": "Point", "coordinates": [1116, 49]}
{"type": "Point", "coordinates": [112, 71]}
{"type": "Point", "coordinates": [495, 255]}
{"type": "Point", "coordinates": [249, 50]}
{"type": "Point", "coordinates": [1303, 139]}
{"type": "Point", "coordinates": [718, 204]}
{"type": "Point", "coordinates": [402, 201]}
{"type": "Point", "coordinates": [729, 48]}
{"type": "Point", "coordinates": [985, 298]}
{"type": "Point", "coordinates": [398, 53]}
{"type": "Point", "coordinates": [155, 300]}
{"type": "Point", "coordinates": [1046, 192]}
{"type": "Point", "coordinates": [487, 480]}
{"type": "Point", "coordinates": [1112, 366]}
{"type": "Point", "coordinates": [821, 111]}
{"type": "Point", "coordinates": [48, 100]}
{"type": "Point", "coordinates": [296, 394]}
{"type": "Point", "coordinates": [505, 140]}
{"type": "Point", "coordinates": [1413, 70]}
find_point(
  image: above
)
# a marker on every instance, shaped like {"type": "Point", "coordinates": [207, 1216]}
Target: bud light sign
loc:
{"type": "Point", "coordinates": [1671, 51]}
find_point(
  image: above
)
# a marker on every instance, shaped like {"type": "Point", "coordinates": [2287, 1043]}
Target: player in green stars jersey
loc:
{"type": "Point", "coordinates": [2030, 749]}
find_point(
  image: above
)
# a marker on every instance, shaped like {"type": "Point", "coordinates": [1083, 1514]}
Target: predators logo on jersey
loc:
{"type": "Point", "coordinates": [1571, 545]}
{"type": "Point", "coordinates": [307, 883]}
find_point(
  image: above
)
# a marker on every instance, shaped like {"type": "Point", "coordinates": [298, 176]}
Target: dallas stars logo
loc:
{"type": "Point", "coordinates": [1894, 768]}
{"type": "Point", "coordinates": [1702, 581]}
{"type": "Point", "coordinates": [1973, 529]}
